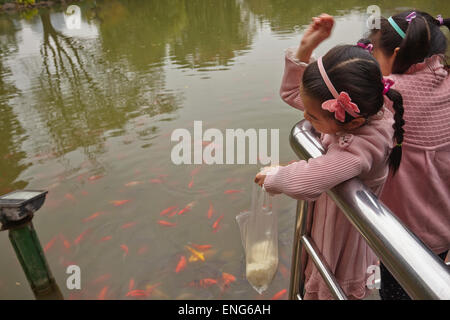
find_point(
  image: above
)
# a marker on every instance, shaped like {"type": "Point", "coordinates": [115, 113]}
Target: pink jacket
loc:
{"type": "Point", "coordinates": [361, 154]}
{"type": "Point", "coordinates": [419, 194]}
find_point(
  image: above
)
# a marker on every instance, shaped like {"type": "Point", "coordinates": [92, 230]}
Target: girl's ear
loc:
{"type": "Point", "coordinates": [354, 124]}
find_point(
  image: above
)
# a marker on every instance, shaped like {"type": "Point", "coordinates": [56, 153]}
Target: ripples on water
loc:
{"type": "Point", "coordinates": [87, 114]}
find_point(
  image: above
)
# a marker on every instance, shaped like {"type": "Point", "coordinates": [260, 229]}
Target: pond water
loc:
{"type": "Point", "coordinates": [88, 112]}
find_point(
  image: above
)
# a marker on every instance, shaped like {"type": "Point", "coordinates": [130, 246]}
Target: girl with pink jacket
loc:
{"type": "Point", "coordinates": [410, 48]}
{"type": "Point", "coordinates": [342, 95]}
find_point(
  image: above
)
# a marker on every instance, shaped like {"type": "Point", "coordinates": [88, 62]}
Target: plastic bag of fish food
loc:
{"type": "Point", "coordinates": [259, 234]}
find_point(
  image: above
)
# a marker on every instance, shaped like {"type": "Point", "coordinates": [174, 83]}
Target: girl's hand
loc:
{"type": "Point", "coordinates": [319, 30]}
{"type": "Point", "coordinates": [259, 179]}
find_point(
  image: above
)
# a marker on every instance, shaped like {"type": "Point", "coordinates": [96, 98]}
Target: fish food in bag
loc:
{"type": "Point", "coordinates": [259, 233]}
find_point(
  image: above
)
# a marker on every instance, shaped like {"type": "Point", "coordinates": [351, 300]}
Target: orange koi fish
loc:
{"type": "Point", "coordinates": [93, 178]}
{"type": "Point", "coordinates": [156, 181]}
{"type": "Point", "coordinates": [203, 247]}
{"type": "Point", "coordinates": [81, 236]}
{"type": "Point", "coordinates": [131, 284]}
{"type": "Point", "coordinates": [215, 225]}
{"type": "Point", "coordinates": [142, 250]}
{"type": "Point", "coordinates": [65, 241]}
{"type": "Point", "coordinates": [279, 295]}
{"type": "Point", "coordinates": [191, 183]}
{"type": "Point", "coordinates": [69, 196]}
{"type": "Point", "coordinates": [195, 171]}
{"type": "Point", "coordinates": [128, 225]}
{"type": "Point", "coordinates": [50, 243]}
{"type": "Point", "coordinates": [150, 287]}
{"type": "Point", "coordinates": [232, 191]}
{"type": "Point", "coordinates": [227, 279]}
{"type": "Point", "coordinates": [203, 283]}
{"type": "Point", "coordinates": [133, 183]}
{"type": "Point", "coordinates": [125, 249]}
{"type": "Point", "coordinates": [166, 211]}
{"type": "Point", "coordinates": [187, 208]}
{"type": "Point", "coordinates": [173, 212]}
{"type": "Point", "coordinates": [196, 253]}
{"type": "Point", "coordinates": [166, 223]}
{"type": "Point", "coordinates": [137, 293]}
{"type": "Point", "coordinates": [118, 203]}
{"type": "Point", "coordinates": [102, 294]}
{"type": "Point", "coordinates": [93, 216]}
{"type": "Point", "coordinates": [181, 264]}
{"type": "Point", "coordinates": [106, 238]}
{"type": "Point", "coordinates": [210, 211]}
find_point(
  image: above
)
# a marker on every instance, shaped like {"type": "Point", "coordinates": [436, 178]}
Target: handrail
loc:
{"type": "Point", "coordinates": [420, 272]}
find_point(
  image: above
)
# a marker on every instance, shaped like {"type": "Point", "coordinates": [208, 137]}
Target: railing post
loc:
{"type": "Point", "coordinates": [299, 256]}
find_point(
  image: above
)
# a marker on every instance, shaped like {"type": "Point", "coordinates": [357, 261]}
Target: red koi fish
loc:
{"type": "Point", "coordinates": [50, 243]}
{"type": "Point", "coordinates": [131, 284]}
{"type": "Point", "coordinates": [128, 225]}
{"type": "Point", "coordinates": [279, 295]}
{"type": "Point", "coordinates": [102, 294]}
{"type": "Point", "coordinates": [102, 278]}
{"type": "Point", "coordinates": [203, 283]}
{"type": "Point", "coordinates": [232, 191]}
{"type": "Point", "coordinates": [203, 247]}
{"type": "Point", "coordinates": [69, 196]}
{"type": "Point", "coordinates": [142, 250]}
{"type": "Point", "coordinates": [93, 178]}
{"type": "Point", "coordinates": [84, 192]}
{"type": "Point", "coordinates": [191, 183]}
{"type": "Point", "coordinates": [157, 181]}
{"type": "Point", "coordinates": [195, 171]}
{"type": "Point", "coordinates": [137, 293]}
{"type": "Point", "coordinates": [106, 238]}
{"type": "Point", "coordinates": [93, 216]}
{"type": "Point", "coordinates": [150, 287]}
{"type": "Point", "coordinates": [118, 203]}
{"type": "Point", "coordinates": [125, 249]}
{"type": "Point", "coordinates": [227, 279]}
{"type": "Point", "coordinates": [166, 223]}
{"type": "Point", "coordinates": [81, 236]}
{"type": "Point", "coordinates": [133, 183]}
{"type": "Point", "coordinates": [166, 211]}
{"type": "Point", "coordinates": [215, 225]}
{"type": "Point", "coordinates": [187, 208]}
{"type": "Point", "coordinates": [181, 264]}
{"type": "Point", "coordinates": [65, 241]}
{"type": "Point", "coordinates": [210, 211]}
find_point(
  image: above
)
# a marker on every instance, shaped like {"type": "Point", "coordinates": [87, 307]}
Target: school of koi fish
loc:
{"type": "Point", "coordinates": [193, 253]}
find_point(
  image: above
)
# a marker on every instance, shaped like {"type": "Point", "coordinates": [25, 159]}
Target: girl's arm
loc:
{"type": "Point", "coordinates": [307, 180]}
{"type": "Point", "coordinates": [297, 60]}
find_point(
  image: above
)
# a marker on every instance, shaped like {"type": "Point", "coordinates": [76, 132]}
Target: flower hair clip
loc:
{"type": "Point", "coordinates": [440, 19]}
{"type": "Point", "coordinates": [411, 16]}
{"type": "Point", "coordinates": [341, 103]}
{"type": "Point", "coordinates": [388, 83]}
{"type": "Point", "coordinates": [368, 47]}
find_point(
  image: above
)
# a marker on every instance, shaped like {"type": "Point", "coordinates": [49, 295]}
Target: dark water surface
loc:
{"type": "Point", "coordinates": [88, 113]}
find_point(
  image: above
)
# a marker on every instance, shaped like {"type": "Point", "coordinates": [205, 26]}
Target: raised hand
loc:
{"type": "Point", "coordinates": [319, 30]}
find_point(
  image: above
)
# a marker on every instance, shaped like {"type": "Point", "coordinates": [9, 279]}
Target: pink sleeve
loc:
{"type": "Point", "coordinates": [307, 180]}
{"type": "Point", "coordinates": [290, 85]}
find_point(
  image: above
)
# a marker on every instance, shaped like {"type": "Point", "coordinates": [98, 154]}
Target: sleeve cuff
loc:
{"type": "Point", "coordinates": [291, 55]}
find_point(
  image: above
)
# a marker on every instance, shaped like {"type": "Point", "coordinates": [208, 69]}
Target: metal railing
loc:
{"type": "Point", "coordinates": [420, 272]}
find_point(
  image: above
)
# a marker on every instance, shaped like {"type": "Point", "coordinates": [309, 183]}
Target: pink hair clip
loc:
{"type": "Point", "coordinates": [388, 83]}
{"type": "Point", "coordinates": [368, 47]}
{"type": "Point", "coordinates": [440, 19]}
{"type": "Point", "coordinates": [342, 102]}
{"type": "Point", "coordinates": [411, 16]}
